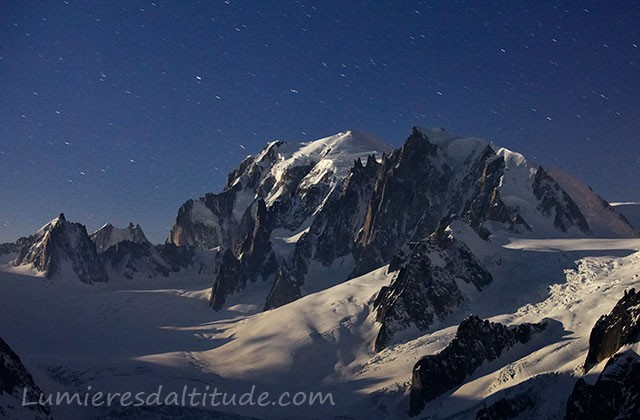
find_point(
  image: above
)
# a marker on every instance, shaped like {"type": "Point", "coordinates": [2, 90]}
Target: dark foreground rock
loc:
{"type": "Point", "coordinates": [615, 395]}
{"type": "Point", "coordinates": [621, 326]}
{"type": "Point", "coordinates": [14, 379]}
{"type": "Point", "coordinates": [285, 289]}
{"type": "Point", "coordinates": [476, 342]}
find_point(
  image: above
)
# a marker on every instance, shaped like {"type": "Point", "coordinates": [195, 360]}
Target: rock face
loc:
{"type": "Point", "coordinates": [556, 203]}
{"type": "Point", "coordinates": [285, 289]}
{"type": "Point", "coordinates": [14, 379]}
{"type": "Point", "coordinates": [61, 248]}
{"type": "Point", "coordinates": [615, 395]}
{"type": "Point", "coordinates": [207, 222]}
{"type": "Point", "coordinates": [476, 342]}
{"type": "Point", "coordinates": [407, 198]}
{"type": "Point", "coordinates": [250, 260]}
{"type": "Point", "coordinates": [108, 236]}
{"type": "Point", "coordinates": [128, 259]}
{"type": "Point", "coordinates": [333, 231]}
{"type": "Point", "coordinates": [230, 277]}
{"type": "Point", "coordinates": [621, 326]}
{"type": "Point", "coordinates": [425, 288]}
{"type": "Point", "coordinates": [602, 217]}
{"type": "Point", "coordinates": [215, 219]}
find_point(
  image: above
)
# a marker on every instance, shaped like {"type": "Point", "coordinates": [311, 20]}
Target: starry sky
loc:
{"type": "Point", "coordinates": [115, 111]}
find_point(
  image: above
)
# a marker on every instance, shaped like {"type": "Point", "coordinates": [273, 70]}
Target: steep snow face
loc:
{"type": "Point", "coordinates": [108, 235]}
{"type": "Point", "coordinates": [331, 158]}
{"type": "Point", "coordinates": [601, 216]}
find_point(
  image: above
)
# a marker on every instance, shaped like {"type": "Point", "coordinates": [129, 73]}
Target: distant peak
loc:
{"type": "Point", "coordinates": [62, 218]}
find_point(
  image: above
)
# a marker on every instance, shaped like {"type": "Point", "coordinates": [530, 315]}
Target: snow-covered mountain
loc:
{"type": "Point", "coordinates": [348, 203]}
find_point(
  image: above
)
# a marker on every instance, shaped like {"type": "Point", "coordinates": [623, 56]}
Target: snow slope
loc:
{"type": "Point", "coordinates": [114, 336]}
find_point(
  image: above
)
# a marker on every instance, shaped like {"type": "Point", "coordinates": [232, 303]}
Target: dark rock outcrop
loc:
{"type": "Point", "coordinates": [621, 326]}
{"type": "Point", "coordinates": [62, 247]}
{"type": "Point", "coordinates": [285, 289]}
{"type": "Point", "coordinates": [615, 395]}
{"type": "Point", "coordinates": [14, 379]}
{"type": "Point", "coordinates": [476, 342]}
{"type": "Point", "coordinates": [230, 277]}
{"type": "Point", "coordinates": [425, 287]}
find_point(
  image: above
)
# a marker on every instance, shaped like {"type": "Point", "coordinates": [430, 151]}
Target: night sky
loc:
{"type": "Point", "coordinates": [120, 111]}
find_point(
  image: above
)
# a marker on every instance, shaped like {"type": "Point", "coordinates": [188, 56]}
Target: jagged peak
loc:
{"type": "Point", "coordinates": [58, 221]}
